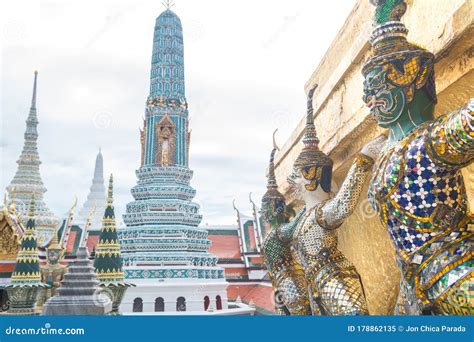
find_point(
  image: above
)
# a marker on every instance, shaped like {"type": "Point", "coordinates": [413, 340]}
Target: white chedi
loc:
{"type": "Point", "coordinates": [96, 198]}
{"type": "Point", "coordinates": [27, 180]}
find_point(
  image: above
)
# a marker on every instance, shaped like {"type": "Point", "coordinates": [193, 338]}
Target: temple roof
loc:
{"type": "Point", "coordinates": [11, 230]}
{"type": "Point", "coordinates": [74, 240]}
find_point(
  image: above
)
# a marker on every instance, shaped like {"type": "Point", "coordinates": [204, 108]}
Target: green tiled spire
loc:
{"type": "Point", "coordinates": [108, 262]}
{"type": "Point", "coordinates": [27, 269]}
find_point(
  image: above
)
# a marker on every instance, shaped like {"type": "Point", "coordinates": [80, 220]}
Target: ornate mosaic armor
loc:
{"type": "Point", "coordinates": [287, 276]}
{"type": "Point", "coordinates": [333, 283]}
{"type": "Point", "coordinates": [418, 189]}
{"type": "Point", "coordinates": [419, 193]}
{"type": "Point", "coordinates": [310, 275]}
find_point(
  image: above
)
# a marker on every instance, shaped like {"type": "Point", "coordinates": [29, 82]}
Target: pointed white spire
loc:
{"type": "Point", "coordinates": [33, 99]}
{"type": "Point", "coordinates": [168, 4]}
{"type": "Point", "coordinates": [32, 121]}
{"type": "Point", "coordinates": [96, 198]}
{"type": "Point", "coordinates": [27, 180]}
{"type": "Point", "coordinates": [99, 168]}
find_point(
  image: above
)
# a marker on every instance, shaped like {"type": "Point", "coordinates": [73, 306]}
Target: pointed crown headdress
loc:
{"type": "Point", "coordinates": [273, 197]}
{"type": "Point", "coordinates": [408, 64]}
{"type": "Point", "coordinates": [313, 163]}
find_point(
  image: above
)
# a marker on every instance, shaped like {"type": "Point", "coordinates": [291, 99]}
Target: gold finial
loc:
{"type": "Point", "coordinates": [32, 209]}
{"type": "Point", "coordinates": [68, 224]}
{"type": "Point", "coordinates": [168, 3]}
{"type": "Point", "coordinates": [91, 212]}
{"type": "Point", "coordinates": [74, 205]}
{"type": "Point", "coordinates": [5, 204]}
{"type": "Point", "coordinates": [11, 194]}
{"type": "Point", "coordinates": [235, 208]}
{"type": "Point", "coordinates": [54, 240]}
{"type": "Point", "coordinates": [275, 146]}
{"type": "Point", "coordinates": [110, 198]}
{"type": "Point", "coordinates": [251, 200]}
{"type": "Point", "coordinates": [87, 226]}
{"type": "Point", "coordinates": [33, 99]}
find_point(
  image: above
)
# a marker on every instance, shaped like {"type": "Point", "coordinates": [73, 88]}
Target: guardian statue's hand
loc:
{"type": "Point", "coordinates": [373, 148]}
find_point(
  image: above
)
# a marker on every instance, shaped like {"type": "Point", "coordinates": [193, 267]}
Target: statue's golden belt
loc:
{"type": "Point", "coordinates": [329, 263]}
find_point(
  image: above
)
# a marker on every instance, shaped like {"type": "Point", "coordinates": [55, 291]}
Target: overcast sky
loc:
{"type": "Point", "coordinates": [246, 63]}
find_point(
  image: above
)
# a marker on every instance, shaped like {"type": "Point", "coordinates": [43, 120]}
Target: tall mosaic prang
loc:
{"type": "Point", "coordinates": [164, 252]}
{"type": "Point", "coordinates": [27, 180]}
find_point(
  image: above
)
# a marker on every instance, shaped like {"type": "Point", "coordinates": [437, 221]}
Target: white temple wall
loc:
{"type": "Point", "coordinates": [193, 292]}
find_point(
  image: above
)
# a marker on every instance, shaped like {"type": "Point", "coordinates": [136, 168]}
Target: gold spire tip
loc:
{"type": "Point", "coordinates": [168, 3]}
{"type": "Point", "coordinates": [111, 189]}
{"type": "Point", "coordinates": [275, 146]}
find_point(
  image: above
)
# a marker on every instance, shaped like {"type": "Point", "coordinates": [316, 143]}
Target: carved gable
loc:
{"type": "Point", "coordinates": [9, 237]}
